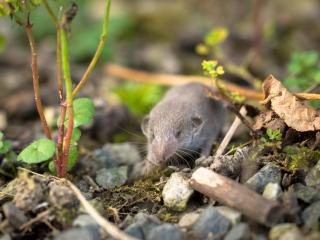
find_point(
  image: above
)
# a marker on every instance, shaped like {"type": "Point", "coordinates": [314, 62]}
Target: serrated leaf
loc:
{"type": "Point", "coordinates": [38, 151]}
{"type": "Point", "coordinates": [83, 110]}
{"type": "Point", "coordinates": [72, 159]}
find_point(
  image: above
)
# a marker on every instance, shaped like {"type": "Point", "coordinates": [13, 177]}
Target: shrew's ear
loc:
{"type": "Point", "coordinates": [145, 125]}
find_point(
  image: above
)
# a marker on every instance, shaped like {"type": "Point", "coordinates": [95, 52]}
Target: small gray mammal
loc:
{"type": "Point", "coordinates": [185, 120]}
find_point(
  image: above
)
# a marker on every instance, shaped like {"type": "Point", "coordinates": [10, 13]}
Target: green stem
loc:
{"type": "Point", "coordinates": [103, 39]}
{"type": "Point", "coordinates": [50, 12]}
{"type": "Point", "coordinates": [69, 99]}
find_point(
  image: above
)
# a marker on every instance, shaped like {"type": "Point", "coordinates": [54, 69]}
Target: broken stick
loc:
{"type": "Point", "coordinates": [235, 195]}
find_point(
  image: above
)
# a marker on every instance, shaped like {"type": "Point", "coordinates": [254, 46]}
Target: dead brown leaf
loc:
{"type": "Point", "coordinates": [295, 113]}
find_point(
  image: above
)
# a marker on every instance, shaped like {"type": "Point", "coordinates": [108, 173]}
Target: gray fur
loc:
{"type": "Point", "coordinates": [185, 109]}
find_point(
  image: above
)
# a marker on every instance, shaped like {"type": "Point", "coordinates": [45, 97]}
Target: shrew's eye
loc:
{"type": "Point", "coordinates": [178, 133]}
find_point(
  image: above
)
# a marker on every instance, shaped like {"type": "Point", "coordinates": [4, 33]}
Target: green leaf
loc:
{"type": "Point", "coordinates": [1, 135]}
{"type": "Point", "coordinates": [76, 134]}
{"type": "Point", "coordinates": [38, 151]}
{"type": "Point", "coordinates": [83, 110]}
{"type": "Point", "coordinates": [216, 36]}
{"type": "Point", "coordinates": [72, 159]}
{"type": "Point", "coordinates": [5, 146]}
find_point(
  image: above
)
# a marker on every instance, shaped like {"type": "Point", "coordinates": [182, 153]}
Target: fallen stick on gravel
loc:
{"type": "Point", "coordinates": [110, 228]}
{"type": "Point", "coordinates": [234, 126]}
{"type": "Point", "coordinates": [235, 195]}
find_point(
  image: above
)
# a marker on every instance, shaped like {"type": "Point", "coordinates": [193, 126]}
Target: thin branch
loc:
{"type": "Point", "coordinates": [236, 123]}
{"type": "Point", "coordinates": [106, 225]}
{"type": "Point", "coordinates": [103, 39]}
{"type": "Point", "coordinates": [35, 79]}
{"type": "Point", "coordinates": [50, 12]}
{"type": "Point", "coordinates": [68, 85]}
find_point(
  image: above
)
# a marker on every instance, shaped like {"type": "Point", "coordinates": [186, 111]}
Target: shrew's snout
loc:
{"type": "Point", "coordinates": [163, 149]}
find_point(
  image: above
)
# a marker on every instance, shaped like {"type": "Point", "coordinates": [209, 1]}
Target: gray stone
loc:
{"type": "Point", "coordinates": [14, 215]}
{"type": "Point", "coordinates": [305, 193]}
{"type": "Point", "coordinates": [165, 232]}
{"type": "Point", "coordinates": [112, 177]}
{"type": "Point", "coordinates": [272, 191]}
{"type": "Point", "coordinates": [269, 173]}
{"type": "Point", "coordinates": [177, 192]}
{"type": "Point", "coordinates": [311, 214]}
{"type": "Point", "coordinates": [231, 214]}
{"type": "Point", "coordinates": [145, 222]}
{"type": "Point", "coordinates": [84, 220]}
{"type": "Point", "coordinates": [84, 233]}
{"type": "Point", "coordinates": [278, 230]}
{"type": "Point", "coordinates": [135, 230]}
{"type": "Point", "coordinates": [313, 177]}
{"type": "Point", "coordinates": [188, 219]}
{"type": "Point", "coordinates": [240, 231]}
{"type": "Point", "coordinates": [5, 237]}
{"type": "Point", "coordinates": [293, 234]}
{"type": "Point", "coordinates": [210, 225]}
{"type": "Point", "coordinates": [123, 153]}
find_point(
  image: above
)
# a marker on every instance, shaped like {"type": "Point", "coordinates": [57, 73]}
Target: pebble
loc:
{"type": "Point", "coordinates": [269, 173]}
{"type": "Point", "coordinates": [84, 233]}
{"type": "Point", "coordinates": [61, 196]}
{"type": "Point", "coordinates": [279, 230]}
{"type": "Point", "coordinates": [83, 220]}
{"type": "Point", "coordinates": [240, 231]}
{"type": "Point", "coordinates": [112, 177]}
{"type": "Point", "coordinates": [305, 193]}
{"type": "Point", "coordinates": [15, 216]}
{"type": "Point", "coordinates": [165, 232]}
{"type": "Point", "coordinates": [313, 177]}
{"type": "Point", "coordinates": [210, 225]}
{"type": "Point", "coordinates": [311, 214]}
{"type": "Point", "coordinates": [135, 230]}
{"type": "Point", "coordinates": [293, 234]}
{"type": "Point", "coordinates": [5, 237]}
{"type": "Point", "coordinates": [272, 191]}
{"type": "Point", "coordinates": [231, 214]}
{"type": "Point", "coordinates": [188, 219]}
{"type": "Point", "coordinates": [177, 192]}
{"type": "Point", "coordinates": [123, 153]}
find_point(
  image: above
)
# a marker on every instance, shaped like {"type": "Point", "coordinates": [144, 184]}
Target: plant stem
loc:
{"type": "Point", "coordinates": [68, 86]}
{"type": "Point", "coordinates": [50, 12]}
{"type": "Point", "coordinates": [103, 39]}
{"type": "Point", "coordinates": [35, 79]}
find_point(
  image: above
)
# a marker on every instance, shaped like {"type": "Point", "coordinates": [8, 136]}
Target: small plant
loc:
{"type": "Point", "coordinates": [303, 71]}
{"type": "Point", "coordinates": [7, 156]}
{"type": "Point", "coordinates": [272, 139]}
{"type": "Point", "coordinates": [73, 112]}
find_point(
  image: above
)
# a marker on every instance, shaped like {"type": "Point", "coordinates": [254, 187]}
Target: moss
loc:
{"type": "Point", "coordinates": [65, 216]}
{"type": "Point", "coordinates": [300, 157]}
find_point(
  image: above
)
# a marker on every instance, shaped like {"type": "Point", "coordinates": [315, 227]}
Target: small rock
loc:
{"type": "Point", "coordinates": [313, 177]}
{"type": "Point", "coordinates": [177, 192]}
{"type": "Point", "coordinates": [165, 232]}
{"type": "Point", "coordinates": [269, 173]}
{"type": "Point", "coordinates": [5, 237]}
{"type": "Point", "coordinates": [188, 219]}
{"type": "Point", "coordinates": [240, 231]}
{"type": "Point", "coordinates": [112, 177]}
{"type": "Point", "coordinates": [210, 225]}
{"type": "Point", "coordinates": [291, 207]}
{"type": "Point", "coordinates": [123, 153]}
{"type": "Point", "coordinates": [135, 230]}
{"type": "Point", "coordinates": [305, 193]}
{"type": "Point", "coordinates": [231, 214]}
{"type": "Point", "coordinates": [293, 234]}
{"type": "Point", "coordinates": [83, 220]}
{"type": "Point", "coordinates": [228, 165]}
{"type": "Point", "coordinates": [278, 230]}
{"type": "Point", "coordinates": [272, 191]}
{"type": "Point", "coordinates": [311, 214]}
{"type": "Point", "coordinates": [29, 193]}
{"type": "Point", "coordinates": [84, 233]}
{"type": "Point", "coordinates": [61, 196]}
{"type": "Point", "coordinates": [14, 215]}
{"type": "Point", "coordinates": [145, 222]}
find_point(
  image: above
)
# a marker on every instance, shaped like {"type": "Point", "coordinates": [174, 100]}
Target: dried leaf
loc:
{"type": "Point", "coordinates": [295, 113]}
